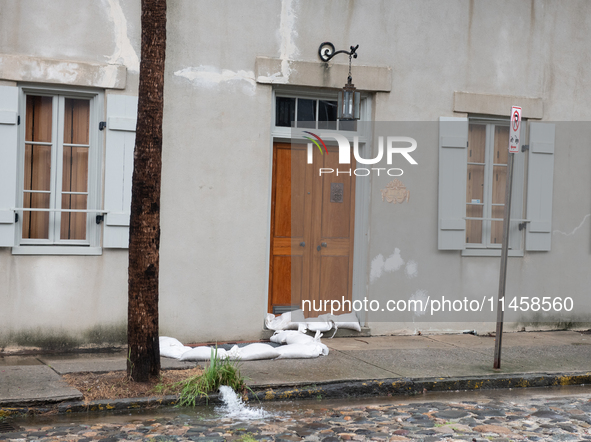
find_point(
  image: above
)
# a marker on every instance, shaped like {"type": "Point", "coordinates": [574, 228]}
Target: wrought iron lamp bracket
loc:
{"type": "Point", "coordinates": [327, 51]}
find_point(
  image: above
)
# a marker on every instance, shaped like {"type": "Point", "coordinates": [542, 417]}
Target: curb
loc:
{"type": "Point", "coordinates": [408, 386]}
{"type": "Point", "coordinates": [329, 390]}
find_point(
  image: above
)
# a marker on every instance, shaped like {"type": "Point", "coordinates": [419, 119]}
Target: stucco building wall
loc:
{"type": "Point", "coordinates": [217, 153]}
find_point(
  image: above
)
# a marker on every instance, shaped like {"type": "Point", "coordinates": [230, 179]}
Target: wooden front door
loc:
{"type": "Point", "coordinates": [312, 222]}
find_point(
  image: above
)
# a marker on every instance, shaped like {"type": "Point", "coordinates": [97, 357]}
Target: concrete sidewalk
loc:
{"type": "Point", "coordinates": [355, 366]}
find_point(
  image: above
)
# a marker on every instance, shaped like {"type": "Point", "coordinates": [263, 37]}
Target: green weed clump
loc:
{"type": "Point", "coordinates": [219, 372]}
{"type": "Point", "coordinates": [248, 437]}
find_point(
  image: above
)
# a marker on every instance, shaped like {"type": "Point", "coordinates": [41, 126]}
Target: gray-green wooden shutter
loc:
{"type": "Point", "coordinates": [453, 142]}
{"type": "Point", "coordinates": [517, 197]}
{"type": "Point", "coordinates": [120, 144]}
{"type": "Point", "coordinates": [8, 162]}
{"type": "Point", "coordinates": [539, 186]}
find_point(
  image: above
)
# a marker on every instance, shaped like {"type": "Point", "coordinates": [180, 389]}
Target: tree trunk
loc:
{"type": "Point", "coordinates": [144, 226]}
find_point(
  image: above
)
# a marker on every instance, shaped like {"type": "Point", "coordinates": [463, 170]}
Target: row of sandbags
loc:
{"type": "Point", "coordinates": [297, 345]}
{"type": "Point", "coordinates": [295, 320]}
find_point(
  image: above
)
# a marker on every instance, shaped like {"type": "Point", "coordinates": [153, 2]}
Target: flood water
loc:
{"type": "Point", "coordinates": [234, 411]}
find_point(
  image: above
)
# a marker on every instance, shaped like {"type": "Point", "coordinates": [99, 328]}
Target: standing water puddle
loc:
{"type": "Point", "coordinates": [234, 410]}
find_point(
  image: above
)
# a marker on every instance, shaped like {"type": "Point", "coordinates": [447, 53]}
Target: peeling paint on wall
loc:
{"type": "Point", "coordinates": [379, 265]}
{"type": "Point", "coordinates": [419, 295]}
{"type": "Point", "coordinates": [412, 269]}
{"type": "Point", "coordinates": [108, 75]}
{"type": "Point", "coordinates": [209, 76]}
{"type": "Point", "coordinates": [394, 261]}
{"type": "Point", "coordinates": [288, 49]}
{"type": "Point", "coordinates": [46, 70]}
{"type": "Point", "coordinates": [377, 268]}
{"type": "Point", "coordinates": [575, 229]}
{"type": "Point", "coordinates": [62, 72]}
{"type": "Point", "coordinates": [124, 52]}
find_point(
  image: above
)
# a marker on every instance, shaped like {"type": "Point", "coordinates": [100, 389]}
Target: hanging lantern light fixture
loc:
{"type": "Point", "coordinates": [349, 101]}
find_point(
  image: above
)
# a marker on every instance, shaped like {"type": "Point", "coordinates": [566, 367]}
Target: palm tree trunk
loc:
{"type": "Point", "coordinates": [144, 227]}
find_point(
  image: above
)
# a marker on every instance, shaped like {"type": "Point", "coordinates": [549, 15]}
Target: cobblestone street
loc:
{"type": "Point", "coordinates": [546, 415]}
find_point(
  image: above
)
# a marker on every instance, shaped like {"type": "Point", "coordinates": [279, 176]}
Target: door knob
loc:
{"type": "Point", "coordinates": [323, 244]}
{"type": "Point", "coordinates": [303, 244]}
{"type": "Point", "coordinates": [318, 248]}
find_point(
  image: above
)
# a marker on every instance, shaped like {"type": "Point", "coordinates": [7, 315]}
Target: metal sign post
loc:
{"type": "Point", "coordinates": [514, 145]}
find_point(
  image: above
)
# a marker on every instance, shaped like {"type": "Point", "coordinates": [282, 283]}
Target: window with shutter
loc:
{"type": "Point", "coordinates": [486, 180]}
{"type": "Point", "coordinates": [472, 177]}
{"type": "Point", "coordinates": [58, 172]}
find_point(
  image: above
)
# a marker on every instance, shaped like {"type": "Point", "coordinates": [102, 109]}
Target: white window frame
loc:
{"type": "Point", "coordinates": [285, 133]}
{"type": "Point", "coordinates": [362, 187]}
{"type": "Point", "coordinates": [486, 247]}
{"type": "Point", "coordinates": [90, 246]}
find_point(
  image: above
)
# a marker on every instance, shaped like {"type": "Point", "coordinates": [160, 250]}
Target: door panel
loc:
{"type": "Point", "coordinates": [284, 181]}
{"type": "Point", "coordinates": [290, 208]}
{"type": "Point", "coordinates": [311, 228]}
{"type": "Point", "coordinates": [334, 216]}
{"type": "Point", "coordinates": [335, 211]}
{"type": "Point", "coordinates": [287, 279]}
{"type": "Point", "coordinates": [334, 279]}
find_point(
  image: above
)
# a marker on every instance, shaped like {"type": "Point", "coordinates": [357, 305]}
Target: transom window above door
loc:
{"type": "Point", "coordinates": [309, 113]}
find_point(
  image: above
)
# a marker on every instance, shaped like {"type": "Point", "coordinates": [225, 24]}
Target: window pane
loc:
{"type": "Point", "coordinates": [37, 167]}
{"type": "Point", "coordinates": [327, 115]}
{"type": "Point", "coordinates": [476, 143]}
{"type": "Point", "coordinates": [473, 227]}
{"type": "Point", "coordinates": [73, 223]}
{"type": "Point", "coordinates": [501, 144]}
{"type": "Point", "coordinates": [75, 169]}
{"type": "Point", "coordinates": [36, 224]}
{"type": "Point", "coordinates": [499, 181]}
{"type": "Point", "coordinates": [76, 121]}
{"type": "Point", "coordinates": [496, 233]}
{"type": "Point", "coordinates": [475, 184]}
{"type": "Point", "coordinates": [38, 118]}
{"type": "Point", "coordinates": [284, 111]}
{"type": "Point", "coordinates": [306, 113]}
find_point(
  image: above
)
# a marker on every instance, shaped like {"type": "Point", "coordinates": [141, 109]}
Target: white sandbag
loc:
{"type": "Point", "coordinates": [203, 354]}
{"type": "Point", "coordinates": [281, 322]}
{"type": "Point", "coordinates": [319, 326]}
{"type": "Point", "coordinates": [171, 342]}
{"type": "Point", "coordinates": [301, 351]}
{"type": "Point", "coordinates": [324, 349]}
{"type": "Point", "coordinates": [298, 338]}
{"type": "Point", "coordinates": [280, 336]}
{"type": "Point", "coordinates": [171, 347]}
{"type": "Point", "coordinates": [348, 320]}
{"type": "Point", "coordinates": [253, 352]}
{"type": "Point", "coordinates": [290, 337]}
{"type": "Point", "coordinates": [322, 323]}
{"type": "Point", "coordinates": [287, 321]}
{"type": "Point", "coordinates": [173, 352]}
{"type": "Point", "coordinates": [233, 353]}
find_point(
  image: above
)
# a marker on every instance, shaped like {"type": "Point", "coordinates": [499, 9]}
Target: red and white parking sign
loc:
{"type": "Point", "coordinates": [515, 130]}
